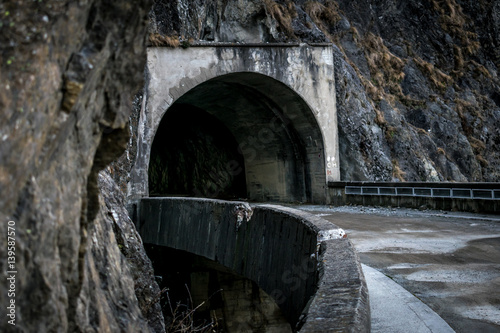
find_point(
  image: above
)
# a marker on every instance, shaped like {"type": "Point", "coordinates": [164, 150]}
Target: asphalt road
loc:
{"type": "Point", "coordinates": [450, 261]}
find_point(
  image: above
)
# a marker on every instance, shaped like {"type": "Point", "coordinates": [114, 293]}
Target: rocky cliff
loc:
{"type": "Point", "coordinates": [68, 72]}
{"type": "Point", "coordinates": [418, 91]}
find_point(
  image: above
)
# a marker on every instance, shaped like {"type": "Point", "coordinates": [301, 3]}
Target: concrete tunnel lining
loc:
{"type": "Point", "coordinates": [278, 138]}
{"type": "Point", "coordinates": [304, 75]}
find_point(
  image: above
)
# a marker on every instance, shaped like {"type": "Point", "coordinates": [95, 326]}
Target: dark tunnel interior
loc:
{"type": "Point", "coordinates": [238, 136]}
{"type": "Point", "coordinates": [194, 154]}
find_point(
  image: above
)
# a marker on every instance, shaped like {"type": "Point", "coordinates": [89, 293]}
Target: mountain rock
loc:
{"type": "Point", "coordinates": [418, 98]}
{"type": "Point", "coordinates": [68, 72]}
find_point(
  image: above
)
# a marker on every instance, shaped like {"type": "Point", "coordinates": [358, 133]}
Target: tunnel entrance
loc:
{"type": "Point", "coordinates": [240, 135]}
{"type": "Point", "coordinates": [194, 154]}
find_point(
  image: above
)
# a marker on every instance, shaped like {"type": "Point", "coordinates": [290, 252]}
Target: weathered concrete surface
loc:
{"type": "Point", "coordinates": [341, 303]}
{"type": "Point", "coordinates": [389, 302]}
{"type": "Point", "coordinates": [296, 91]}
{"type": "Point", "coordinates": [290, 254]}
{"type": "Point", "coordinates": [450, 261]}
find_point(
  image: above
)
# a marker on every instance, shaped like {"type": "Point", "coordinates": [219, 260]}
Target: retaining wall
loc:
{"type": "Point", "coordinates": [337, 195]}
{"type": "Point", "coordinates": [300, 260]}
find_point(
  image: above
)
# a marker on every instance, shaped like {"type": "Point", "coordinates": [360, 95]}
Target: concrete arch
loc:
{"type": "Point", "coordinates": [302, 261]}
{"type": "Point", "coordinates": [294, 84]}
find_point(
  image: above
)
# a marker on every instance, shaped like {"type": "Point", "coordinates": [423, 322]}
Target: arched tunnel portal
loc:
{"type": "Point", "coordinates": [256, 121]}
{"type": "Point", "coordinates": [240, 135]}
{"type": "Point", "coordinates": [238, 121]}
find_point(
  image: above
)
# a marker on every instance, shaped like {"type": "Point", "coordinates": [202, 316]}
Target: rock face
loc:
{"type": "Point", "coordinates": [115, 215]}
{"type": "Point", "coordinates": [68, 72]}
{"type": "Point", "coordinates": [418, 99]}
{"type": "Point", "coordinates": [430, 70]}
{"type": "Point", "coordinates": [417, 81]}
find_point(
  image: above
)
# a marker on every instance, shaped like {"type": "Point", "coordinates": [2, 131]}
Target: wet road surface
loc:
{"type": "Point", "coordinates": [450, 261]}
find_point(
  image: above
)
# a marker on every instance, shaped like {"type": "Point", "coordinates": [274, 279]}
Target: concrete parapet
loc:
{"type": "Point", "coordinates": [302, 261]}
{"type": "Point", "coordinates": [341, 303]}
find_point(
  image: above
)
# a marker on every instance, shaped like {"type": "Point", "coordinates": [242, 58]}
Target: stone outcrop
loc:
{"type": "Point", "coordinates": [119, 224]}
{"type": "Point", "coordinates": [68, 72]}
{"type": "Point", "coordinates": [430, 72]}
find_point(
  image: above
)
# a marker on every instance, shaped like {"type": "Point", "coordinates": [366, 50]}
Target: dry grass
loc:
{"type": "Point", "coordinates": [422, 131]}
{"type": "Point", "coordinates": [155, 39]}
{"type": "Point", "coordinates": [479, 148]}
{"type": "Point", "coordinates": [386, 69]}
{"type": "Point", "coordinates": [453, 20]}
{"type": "Point", "coordinates": [439, 79]}
{"type": "Point", "coordinates": [464, 107]}
{"type": "Point", "coordinates": [450, 10]}
{"type": "Point", "coordinates": [182, 317]}
{"type": "Point", "coordinates": [72, 90]}
{"type": "Point", "coordinates": [397, 172]}
{"type": "Point", "coordinates": [441, 151]}
{"type": "Point", "coordinates": [380, 55]}
{"type": "Point", "coordinates": [355, 34]}
{"type": "Point", "coordinates": [379, 118]}
{"type": "Point", "coordinates": [466, 111]}
{"type": "Point", "coordinates": [477, 145]}
{"type": "Point", "coordinates": [459, 60]}
{"type": "Point", "coordinates": [479, 70]}
{"type": "Point", "coordinates": [383, 63]}
{"type": "Point", "coordinates": [283, 14]}
{"type": "Point", "coordinates": [390, 133]}
{"type": "Point", "coordinates": [375, 93]}
{"type": "Point", "coordinates": [323, 15]}
{"type": "Point", "coordinates": [484, 163]}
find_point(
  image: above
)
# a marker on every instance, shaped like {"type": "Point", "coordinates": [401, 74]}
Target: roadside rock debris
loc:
{"type": "Point", "coordinates": [338, 233]}
{"type": "Point", "coordinates": [242, 211]}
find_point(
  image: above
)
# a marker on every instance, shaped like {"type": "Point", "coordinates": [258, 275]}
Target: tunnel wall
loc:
{"type": "Point", "coordinates": [306, 70]}
{"type": "Point", "coordinates": [300, 260]}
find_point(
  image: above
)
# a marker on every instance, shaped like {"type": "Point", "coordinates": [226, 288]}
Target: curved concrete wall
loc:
{"type": "Point", "coordinates": [300, 260]}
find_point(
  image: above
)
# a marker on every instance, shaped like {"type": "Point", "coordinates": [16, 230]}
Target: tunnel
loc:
{"type": "Point", "coordinates": [239, 136]}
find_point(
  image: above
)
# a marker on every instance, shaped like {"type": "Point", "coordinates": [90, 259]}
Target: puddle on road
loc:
{"type": "Point", "coordinates": [405, 231]}
{"type": "Point", "coordinates": [322, 215]}
{"type": "Point", "coordinates": [407, 266]}
{"type": "Point", "coordinates": [457, 275]}
{"type": "Point", "coordinates": [488, 313]}
{"type": "Point", "coordinates": [378, 243]}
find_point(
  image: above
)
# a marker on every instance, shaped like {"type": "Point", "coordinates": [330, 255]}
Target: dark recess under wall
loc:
{"type": "Point", "coordinates": [217, 295]}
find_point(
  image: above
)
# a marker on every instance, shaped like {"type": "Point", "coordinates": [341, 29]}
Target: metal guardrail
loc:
{"type": "Point", "coordinates": [454, 193]}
